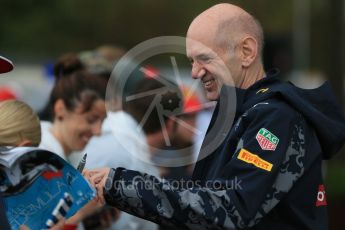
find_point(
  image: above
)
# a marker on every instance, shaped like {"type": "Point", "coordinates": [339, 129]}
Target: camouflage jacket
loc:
{"type": "Point", "coordinates": [265, 174]}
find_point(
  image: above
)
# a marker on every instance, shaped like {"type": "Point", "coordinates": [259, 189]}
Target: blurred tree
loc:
{"type": "Point", "coordinates": [327, 42]}
{"type": "Point", "coordinates": [34, 30]}
{"type": "Point", "coordinates": [40, 29]}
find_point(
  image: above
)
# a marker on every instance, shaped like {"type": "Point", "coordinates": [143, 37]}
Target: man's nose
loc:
{"type": "Point", "coordinates": [197, 70]}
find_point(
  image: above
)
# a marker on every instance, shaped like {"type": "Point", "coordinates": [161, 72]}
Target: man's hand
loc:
{"type": "Point", "coordinates": [97, 179]}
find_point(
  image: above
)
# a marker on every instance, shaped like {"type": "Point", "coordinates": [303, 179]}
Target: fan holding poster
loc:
{"type": "Point", "coordinates": [34, 182]}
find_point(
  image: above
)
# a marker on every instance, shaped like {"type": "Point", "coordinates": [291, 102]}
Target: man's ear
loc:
{"type": "Point", "coordinates": [249, 51]}
{"type": "Point", "coordinates": [26, 143]}
{"type": "Point", "coordinates": [59, 109]}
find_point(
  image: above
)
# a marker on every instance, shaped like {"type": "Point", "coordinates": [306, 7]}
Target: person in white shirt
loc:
{"type": "Point", "coordinates": [128, 142]}
{"type": "Point", "coordinates": [77, 108]}
{"type": "Point", "coordinates": [20, 127]}
{"type": "Point", "coordinates": [120, 142]}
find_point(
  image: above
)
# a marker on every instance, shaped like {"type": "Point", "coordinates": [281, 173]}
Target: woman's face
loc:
{"type": "Point", "coordinates": [77, 126]}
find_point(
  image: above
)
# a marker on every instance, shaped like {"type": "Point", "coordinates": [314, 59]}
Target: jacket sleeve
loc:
{"type": "Point", "coordinates": [267, 162]}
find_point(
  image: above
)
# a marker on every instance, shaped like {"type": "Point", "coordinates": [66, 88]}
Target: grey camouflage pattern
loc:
{"type": "Point", "coordinates": [291, 170]}
{"type": "Point", "coordinates": [200, 207]}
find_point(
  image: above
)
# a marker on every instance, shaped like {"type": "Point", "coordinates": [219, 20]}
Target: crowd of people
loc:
{"type": "Point", "coordinates": [75, 121]}
{"type": "Point", "coordinates": [273, 149]}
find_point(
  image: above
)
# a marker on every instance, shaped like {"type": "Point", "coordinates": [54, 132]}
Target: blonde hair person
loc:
{"type": "Point", "coordinates": [19, 124]}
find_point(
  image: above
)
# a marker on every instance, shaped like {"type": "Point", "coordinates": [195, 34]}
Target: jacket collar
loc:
{"type": "Point", "coordinates": [246, 98]}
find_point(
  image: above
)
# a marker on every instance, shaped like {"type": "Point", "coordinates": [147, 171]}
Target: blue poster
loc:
{"type": "Point", "coordinates": [35, 183]}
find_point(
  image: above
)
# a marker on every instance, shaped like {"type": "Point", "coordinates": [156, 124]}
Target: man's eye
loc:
{"type": "Point", "coordinates": [204, 58]}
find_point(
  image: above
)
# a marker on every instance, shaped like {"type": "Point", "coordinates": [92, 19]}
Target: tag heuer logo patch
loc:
{"type": "Point", "coordinates": [267, 140]}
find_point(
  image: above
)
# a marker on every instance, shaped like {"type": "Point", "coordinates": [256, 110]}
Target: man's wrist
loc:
{"type": "Point", "coordinates": [110, 180]}
{"type": "Point", "coordinates": [111, 185]}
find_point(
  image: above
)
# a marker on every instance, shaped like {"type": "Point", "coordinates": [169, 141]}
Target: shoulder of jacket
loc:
{"type": "Point", "coordinates": [273, 106]}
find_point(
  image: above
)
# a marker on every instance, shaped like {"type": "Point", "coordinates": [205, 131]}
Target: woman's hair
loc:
{"type": "Point", "coordinates": [74, 85]}
{"type": "Point", "coordinates": [18, 122]}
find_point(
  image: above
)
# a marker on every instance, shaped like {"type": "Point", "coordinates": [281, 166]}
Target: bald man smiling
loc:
{"type": "Point", "coordinates": [266, 171]}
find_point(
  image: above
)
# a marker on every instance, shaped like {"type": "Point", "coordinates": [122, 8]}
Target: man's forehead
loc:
{"type": "Point", "coordinates": [207, 47]}
{"type": "Point", "coordinates": [203, 31]}
{"type": "Point", "coordinates": [195, 47]}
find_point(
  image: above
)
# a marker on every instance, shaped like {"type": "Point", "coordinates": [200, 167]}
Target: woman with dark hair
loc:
{"type": "Point", "coordinates": [76, 106]}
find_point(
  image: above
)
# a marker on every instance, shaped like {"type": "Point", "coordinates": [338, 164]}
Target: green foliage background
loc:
{"type": "Point", "coordinates": [39, 28]}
